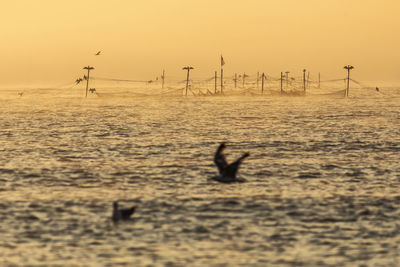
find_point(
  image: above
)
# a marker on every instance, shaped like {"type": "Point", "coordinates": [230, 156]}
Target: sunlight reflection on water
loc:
{"type": "Point", "coordinates": [323, 180]}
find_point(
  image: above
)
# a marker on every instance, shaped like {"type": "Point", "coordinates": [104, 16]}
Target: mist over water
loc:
{"type": "Point", "coordinates": [323, 179]}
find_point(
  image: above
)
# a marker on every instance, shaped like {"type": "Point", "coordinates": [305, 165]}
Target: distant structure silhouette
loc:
{"type": "Point", "coordinates": [88, 68]}
{"type": "Point", "coordinates": [188, 68]}
{"type": "Point", "coordinates": [348, 68]}
{"type": "Point", "coordinates": [121, 214]}
{"type": "Point", "coordinates": [163, 79]}
{"type": "Point", "coordinates": [227, 172]}
{"type": "Point", "coordinates": [98, 53]}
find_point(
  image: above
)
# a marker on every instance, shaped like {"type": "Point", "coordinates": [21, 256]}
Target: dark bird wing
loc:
{"type": "Point", "coordinates": [232, 169]}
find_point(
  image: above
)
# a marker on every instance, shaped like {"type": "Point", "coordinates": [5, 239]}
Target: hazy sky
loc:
{"type": "Point", "coordinates": [50, 41]}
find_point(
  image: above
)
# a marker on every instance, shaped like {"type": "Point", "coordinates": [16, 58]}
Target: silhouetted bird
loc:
{"type": "Point", "coordinates": [20, 93]}
{"type": "Point", "coordinates": [98, 53]}
{"type": "Point", "coordinates": [78, 80]}
{"type": "Point", "coordinates": [121, 214]}
{"type": "Point", "coordinates": [227, 172]}
{"type": "Point", "coordinates": [377, 89]}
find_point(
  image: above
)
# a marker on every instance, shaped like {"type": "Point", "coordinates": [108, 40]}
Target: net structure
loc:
{"type": "Point", "coordinates": [234, 85]}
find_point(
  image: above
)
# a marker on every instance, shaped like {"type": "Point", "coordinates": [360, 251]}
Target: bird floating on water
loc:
{"type": "Point", "coordinates": [121, 214]}
{"type": "Point", "coordinates": [227, 172]}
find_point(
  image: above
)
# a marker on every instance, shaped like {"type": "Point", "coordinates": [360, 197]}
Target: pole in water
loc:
{"type": "Point", "coordinates": [262, 83]}
{"type": "Point", "coordinates": [163, 79]}
{"type": "Point", "coordinates": [348, 68]}
{"type": "Point", "coordinates": [88, 68]}
{"type": "Point", "coordinates": [304, 79]}
{"type": "Point", "coordinates": [222, 80]}
{"type": "Point", "coordinates": [215, 82]}
{"type": "Point", "coordinates": [258, 77]}
{"type": "Point", "coordinates": [319, 80]}
{"type": "Point", "coordinates": [244, 77]}
{"type": "Point", "coordinates": [287, 79]}
{"type": "Point", "coordinates": [235, 80]}
{"type": "Point", "coordinates": [222, 75]}
{"type": "Point", "coordinates": [281, 82]}
{"type": "Point", "coordinates": [188, 68]}
{"type": "Point", "coordinates": [308, 80]}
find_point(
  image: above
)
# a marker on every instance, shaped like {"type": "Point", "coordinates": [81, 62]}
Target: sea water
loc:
{"type": "Point", "coordinates": [323, 179]}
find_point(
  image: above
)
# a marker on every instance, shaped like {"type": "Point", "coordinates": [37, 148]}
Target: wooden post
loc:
{"type": "Point", "coordinates": [188, 68]}
{"type": "Point", "coordinates": [281, 82]}
{"type": "Point", "coordinates": [304, 80]}
{"type": "Point", "coordinates": [215, 82]}
{"type": "Point", "coordinates": [287, 80]}
{"type": "Point", "coordinates": [222, 80]}
{"type": "Point", "coordinates": [258, 74]}
{"type": "Point", "coordinates": [319, 80]}
{"type": "Point", "coordinates": [163, 79]}
{"type": "Point", "coordinates": [88, 68]}
{"type": "Point", "coordinates": [308, 80]}
{"type": "Point", "coordinates": [187, 81]}
{"type": "Point", "coordinates": [262, 83]}
{"type": "Point", "coordinates": [235, 80]}
{"type": "Point", "coordinates": [222, 74]}
{"type": "Point", "coordinates": [348, 68]}
{"type": "Point", "coordinates": [244, 77]}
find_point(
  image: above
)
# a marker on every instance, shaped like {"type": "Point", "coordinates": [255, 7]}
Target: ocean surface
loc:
{"type": "Point", "coordinates": [323, 179]}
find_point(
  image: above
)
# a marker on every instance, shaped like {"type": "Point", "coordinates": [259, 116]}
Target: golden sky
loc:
{"type": "Point", "coordinates": [49, 41]}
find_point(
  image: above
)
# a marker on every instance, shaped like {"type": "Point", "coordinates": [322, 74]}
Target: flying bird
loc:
{"type": "Point", "coordinates": [98, 53]}
{"type": "Point", "coordinates": [227, 172]}
{"type": "Point", "coordinates": [78, 80]}
{"type": "Point", "coordinates": [121, 214]}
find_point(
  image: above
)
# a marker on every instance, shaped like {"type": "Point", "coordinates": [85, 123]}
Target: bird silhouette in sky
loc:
{"type": "Point", "coordinates": [98, 53]}
{"type": "Point", "coordinates": [78, 80]}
